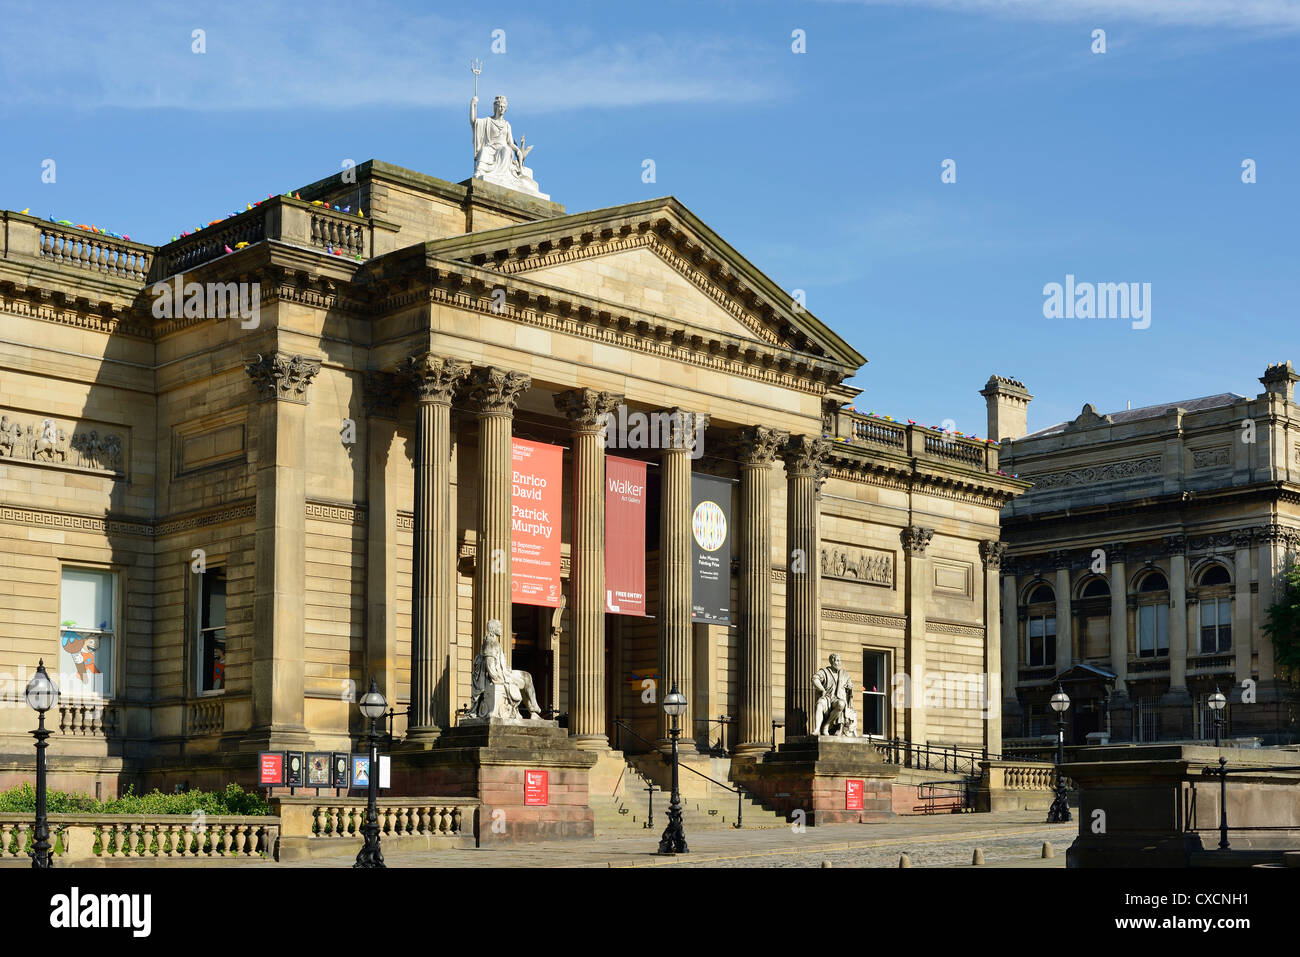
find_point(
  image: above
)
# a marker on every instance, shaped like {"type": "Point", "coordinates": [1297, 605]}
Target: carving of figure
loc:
{"type": "Point", "coordinates": [841, 563]}
{"type": "Point", "coordinates": [6, 437]}
{"type": "Point", "coordinates": [826, 562]}
{"type": "Point", "coordinates": [92, 449]}
{"type": "Point", "coordinates": [113, 452]}
{"type": "Point", "coordinates": [497, 157]}
{"type": "Point", "coordinates": [861, 569]}
{"type": "Point", "coordinates": [26, 442]}
{"type": "Point", "coordinates": [79, 458]}
{"type": "Point", "coordinates": [498, 691]}
{"type": "Point", "coordinates": [835, 714]}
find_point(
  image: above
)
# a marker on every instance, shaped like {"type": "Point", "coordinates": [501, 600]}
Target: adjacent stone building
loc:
{"type": "Point", "coordinates": [221, 517]}
{"type": "Point", "coordinates": [1143, 561]}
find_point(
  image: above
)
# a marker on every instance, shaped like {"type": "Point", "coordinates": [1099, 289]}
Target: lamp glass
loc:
{"type": "Point", "coordinates": [373, 704]}
{"type": "Point", "coordinates": [41, 692]}
{"type": "Point", "coordinates": [1217, 701]}
{"type": "Point", "coordinates": [675, 703]}
{"type": "Point", "coordinates": [1060, 701]}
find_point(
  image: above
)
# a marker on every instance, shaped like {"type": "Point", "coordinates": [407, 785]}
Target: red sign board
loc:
{"type": "Point", "coordinates": [535, 503]}
{"type": "Point", "coordinates": [270, 768]}
{"type": "Point", "coordinates": [625, 501]}
{"type": "Point", "coordinates": [853, 795]}
{"type": "Point", "coordinates": [537, 787]}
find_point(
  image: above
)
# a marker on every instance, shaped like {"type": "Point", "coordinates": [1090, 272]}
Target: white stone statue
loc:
{"type": "Point", "coordinates": [835, 714]}
{"type": "Point", "coordinates": [498, 691]}
{"type": "Point", "coordinates": [498, 158]}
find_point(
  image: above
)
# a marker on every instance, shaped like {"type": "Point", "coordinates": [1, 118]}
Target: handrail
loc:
{"type": "Point", "coordinates": [740, 811]}
{"type": "Point", "coordinates": [907, 753]}
{"type": "Point", "coordinates": [1222, 772]}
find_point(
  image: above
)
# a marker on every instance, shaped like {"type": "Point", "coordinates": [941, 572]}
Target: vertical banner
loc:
{"type": "Point", "coordinates": [535, 505]}
{"type": "Point", "coordinates": [853, 791]}
{"type": "Point", "coordinates": [624, 536]}
{"type": "Point", "coordinates": [710, 549]}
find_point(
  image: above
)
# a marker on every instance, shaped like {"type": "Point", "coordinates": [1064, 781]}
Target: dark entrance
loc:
{"type": "Point", "coordinates": [531, 649]}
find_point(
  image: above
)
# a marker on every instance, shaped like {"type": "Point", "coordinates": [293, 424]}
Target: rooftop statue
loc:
{"type": "Point", "coordinates": [498, 159]}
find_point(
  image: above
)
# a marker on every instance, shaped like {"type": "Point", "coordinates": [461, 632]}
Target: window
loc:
{"type": "Point", "coordinates": [211, 655]}
{"type": "Point", "coordinates": [1154, 582]}
{"type": "Point", "coordinates": [1216, 626]}
{"type": "Point", "coordinates": [875, 702]}
{"type": "Point", "coordinates": [1214, 575]}
{"type": "Point", "coordinates": [1040, 632]}
{"type": "Point", "coordinates": [1097, 588]}
{"type": "Point", "coordinates": [1040, 720]}
{"type": "Point", "coordinates": [1153, 631]}
{"type": "Point", "coordinates": [87, 628]}
{"type": "Point", "coordinates": [1146, 719]}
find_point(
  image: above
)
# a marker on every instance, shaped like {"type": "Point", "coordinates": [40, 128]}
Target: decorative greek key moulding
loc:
{"type": "Point", "coordinates": [280, 376]}
{"type": "Point", "coordinates": [54, 441]}
{"type": "Point", "coordinates": [869, 565]}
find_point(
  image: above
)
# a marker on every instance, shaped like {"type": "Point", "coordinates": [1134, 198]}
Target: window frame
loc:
{"type": "Point", "coordinates": [110, 655]}
{"type": "Point", "coordinates": [197, 629]}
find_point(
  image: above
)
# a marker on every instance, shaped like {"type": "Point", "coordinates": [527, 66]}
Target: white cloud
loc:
{"type": "Point", "coordinates": [1242, 14]}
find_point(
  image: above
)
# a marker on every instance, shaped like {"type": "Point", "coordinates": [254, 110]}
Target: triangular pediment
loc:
{"type": "Point", "coordinates": [652, 257]}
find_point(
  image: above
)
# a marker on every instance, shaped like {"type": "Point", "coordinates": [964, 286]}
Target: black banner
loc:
{"type": "Point", "coordinates": [711, 549]}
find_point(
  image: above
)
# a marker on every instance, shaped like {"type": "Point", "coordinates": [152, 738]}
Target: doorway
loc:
{"type": "Point", "coordinates": [530, 648]}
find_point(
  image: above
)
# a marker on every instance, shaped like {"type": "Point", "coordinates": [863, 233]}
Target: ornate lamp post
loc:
{"type": "Point", "coordinates": [674, 839]}
{"type": "Point", "coordinates": [41, 695]}
{"type": "Point", "coordinates": [372, 706]}
{"type": "Point", "coordinates": [1060, 810]}
{"type": "Point", "coordinates": [1217, 703]}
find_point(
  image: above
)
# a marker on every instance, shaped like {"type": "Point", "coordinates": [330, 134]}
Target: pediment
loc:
{"type": "Point", "coordinates": [653, 257]}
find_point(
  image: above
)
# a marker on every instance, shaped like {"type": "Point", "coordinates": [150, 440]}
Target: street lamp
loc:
{"type": "Point", "coordinates": [41, 695]}
{"type": "Point", "coordinates": [1060, 810]}
{"type": "Point", "coordinates": [674, 839]}
{"type": "Point", "coordinates": [1217, 703]}
{"type": "Point", "coordinates": [372, 706]}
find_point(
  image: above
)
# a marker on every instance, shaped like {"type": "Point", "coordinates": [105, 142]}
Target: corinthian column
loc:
{"type": "Point", "coordinates": [915, 540]}
{"type": "Point", "coordinates": [433, 618]}
{"type": "Point", "coordinates": [586, 409]}
{"type": "Point", "coordinates": [991, 554]}
{"type": "Point", "coordinates": [280, 547]}
{"type": "Point", "coordinates": [803, 455]}
{"type": "Point", "coordinates": [676, 662]}
{"type": "Point", "coordinates": [492, 395]}
{"type": "Point", "coordinates": [757, 447]}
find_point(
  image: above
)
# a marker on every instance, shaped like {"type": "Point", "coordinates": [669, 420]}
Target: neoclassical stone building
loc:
{"type": "Point", "coordinates": [1143, 561]}
{"type": "Point", "coordinates": [222, 515]}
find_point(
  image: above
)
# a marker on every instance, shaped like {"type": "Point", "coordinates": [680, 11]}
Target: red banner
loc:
{"type": "Point", "coordinates": [536, 486]}
{"type": "Point", "coordinates": [625, 502]}
{"type": "Point", "coordinates": [537, 788]}
{"type": "Point", "coordinates": [853, 795]}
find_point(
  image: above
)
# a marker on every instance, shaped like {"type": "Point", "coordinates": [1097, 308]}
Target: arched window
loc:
{"type": "Point", "coordinates": [1215, 593]}
{"type": "Point", "coordinates": [1153, 616]}
{"type": "Point", "coordinates": [1040, 633]}
{"type": "Point", "coordinates": [1097, 588]}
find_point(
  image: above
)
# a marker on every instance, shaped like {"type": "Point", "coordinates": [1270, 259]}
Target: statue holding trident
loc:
{"type": "Point", "coordinates": [498, 158]}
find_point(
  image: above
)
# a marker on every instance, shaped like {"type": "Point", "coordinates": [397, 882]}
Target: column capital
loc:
{"type": "Point", "coordinates": [381, 394]}
{"type": "Point", "coordinates": [586, 408]}
{"type": "Point", "coordinates": [1242, 538]}
{"type": "Point", "coordinates": [1060, 559]}
{"type": "Point", "coordinates": [1174, 544]}
{"type": "Point", "coordinates": [1116, 552]}
{"type": "Point", "coordinates": [758, 445]}
{"type": "Point", "coordinates": [434, 378]}
{"type": "Point", "coordinates": [805, 455]}
{"type": "Point", "coordinates": [683, 431]}
{"type": "Point", "coordinates": [493, 391]}
{"type": "Point", "coordinates": [280, 376]}
{"type": "Point", "coordinates": [916, 539]}
{"type": "Point", "coordinates": [992, 553]}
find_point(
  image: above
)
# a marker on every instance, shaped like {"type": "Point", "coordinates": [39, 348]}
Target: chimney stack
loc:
{"type": "Point", "coordinates": [1280, 378]}
{"type": "Point", "coordinates": [1008, 405]}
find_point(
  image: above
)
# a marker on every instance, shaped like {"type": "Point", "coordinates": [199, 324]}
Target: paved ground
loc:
{"type": "Point", "coordinates": [1008, 839]}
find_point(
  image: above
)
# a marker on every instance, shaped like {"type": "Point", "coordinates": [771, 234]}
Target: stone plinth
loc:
{"type": "Point", "coordinates": [487, 759]}
{"type": "Point", "coordinates": [1160, 810]}
{"type": "Point", "coordinates": [811, 773]}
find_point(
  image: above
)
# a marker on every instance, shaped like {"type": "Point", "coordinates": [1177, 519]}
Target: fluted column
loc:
{"type": "Point", "coordinates": [915, 540]}
{"type": "Point", "coordinates": [586, 409]}
{"type": "Point", "coordinates": [433, 587]}
{"type": "Point", "coordinates": [991, 554]}
{"type": "Point", "coordinates": [676, 663]}
{"type": "Point", "coordinates": [803, 456]}
{"type": "Point", "coordinates": [757, 448]}
{"type": "Point", "coordinates": [280, 547]}
{"type": "Point", "coordinates": [381, 398]}
{"type": "Point", "coordinates": [493, 394]}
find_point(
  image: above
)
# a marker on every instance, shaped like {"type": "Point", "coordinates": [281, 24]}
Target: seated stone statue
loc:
{"type": "Point", "coordinates": [835, 714]}
{"type": "Point", "coordinates": [498, 691]}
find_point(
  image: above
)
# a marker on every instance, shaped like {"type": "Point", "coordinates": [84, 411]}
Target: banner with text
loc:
{"type": "Point", "coordinates": [624, 536]}
{"type": "Point", "coordinates": [711, 549]}
{"type": "Point", "coordinates": [536, 487]}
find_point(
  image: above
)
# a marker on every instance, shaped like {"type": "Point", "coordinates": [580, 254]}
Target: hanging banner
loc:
{"type": "Point", "coordinates": [711, 549]}
{"type": "Point", "coordinates": [535, 503]}
{"type": "Point", "coordinates": [624, 536]}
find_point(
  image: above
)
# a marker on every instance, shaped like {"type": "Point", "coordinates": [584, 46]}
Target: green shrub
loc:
{"type": "Point", "coordinates": [234, 800]}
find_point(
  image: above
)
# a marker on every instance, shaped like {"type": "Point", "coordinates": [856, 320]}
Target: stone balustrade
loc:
{"type": "Point", "coordinates": [67, 245]}
{"type": "Point", "coordinates": [1016, 786]}
{"type": "Point", "coordinates": [206, 716]}
{"type": "Point", "coordinates": [84, 837]}
{"type": "Point", "coordinates": [94, 719]}
{"type": "Point", "coordinates": [320, 826]}
{"type": "Point", "coordinates": [917, 441]}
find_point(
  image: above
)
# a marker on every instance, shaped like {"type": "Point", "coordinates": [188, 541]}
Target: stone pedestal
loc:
{"type": "Point", "coordinates": [487, 759]}
{"type": "Point", "coordinates": [812, 774]}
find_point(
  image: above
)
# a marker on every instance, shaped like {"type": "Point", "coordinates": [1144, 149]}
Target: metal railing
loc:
{"type": "Point", "coordinates": [954, 796]}
{"type": "Point", "coordinates": [1221, 772]}
{"type": "Point", "coordinates": [654, 749]}
{"type": "Point", "coordinates": [949, 758]}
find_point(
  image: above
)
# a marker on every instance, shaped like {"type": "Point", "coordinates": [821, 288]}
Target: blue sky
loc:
{"type": "Point", "coordinates": [823, 168]}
